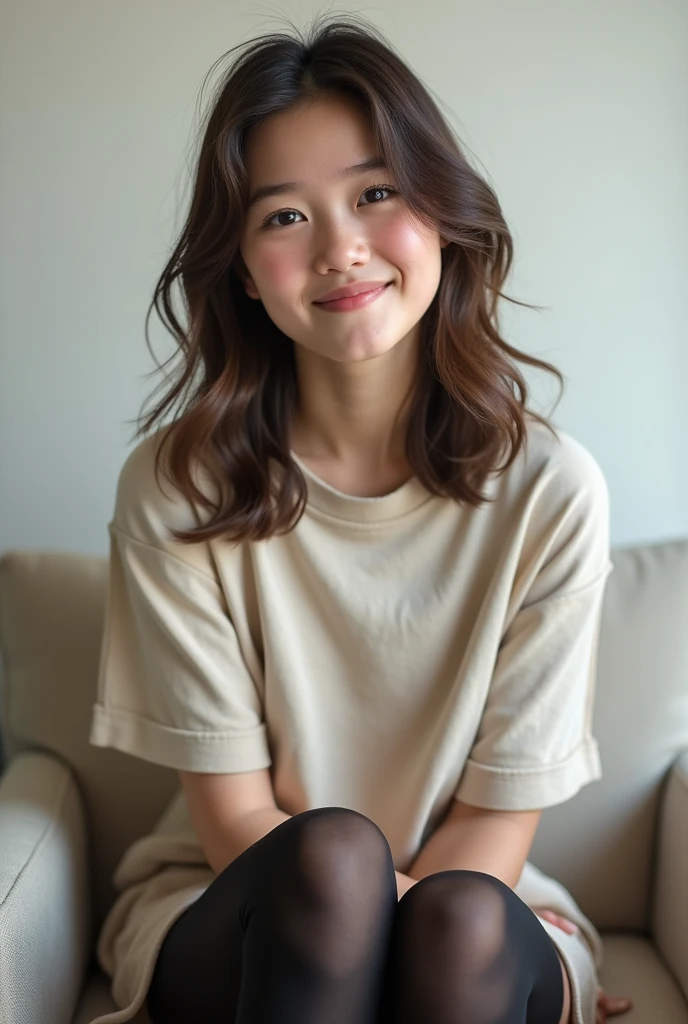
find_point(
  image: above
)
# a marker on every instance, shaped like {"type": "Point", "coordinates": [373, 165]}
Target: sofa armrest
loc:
{"type": "Point", "coordinates": [670, 903]}
{"type": "Point", "coordinates": [45, 913]}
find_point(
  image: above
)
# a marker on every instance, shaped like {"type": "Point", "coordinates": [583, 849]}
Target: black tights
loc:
{"type": "Point", "coordinates": [305, 928]}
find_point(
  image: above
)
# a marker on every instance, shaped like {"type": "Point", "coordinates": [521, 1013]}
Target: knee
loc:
{"type": "Point", "coordinates": [464, 910]}
{"type": "Point", "coordinates": [340, 853]}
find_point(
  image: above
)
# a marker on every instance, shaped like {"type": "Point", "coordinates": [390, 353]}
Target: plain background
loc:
{"type": "Point", "coordinates": [576, 112]}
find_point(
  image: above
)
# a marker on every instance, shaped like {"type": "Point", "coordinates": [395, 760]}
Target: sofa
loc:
{"type": "Point", "coordinates": [68, 810]}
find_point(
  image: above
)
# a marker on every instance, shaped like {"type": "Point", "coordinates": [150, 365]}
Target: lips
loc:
{"type": "Point", "coordinates": [351, 302]}
{"type": "Point", "coordinates": [349, 290]}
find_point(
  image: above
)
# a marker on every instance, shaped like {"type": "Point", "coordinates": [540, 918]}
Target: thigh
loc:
{"type": "Point", "coordinates": [198, 972]}
{"type": "Point", "coordinates": [198, 968]}
{"type": "Point", "coordinates": [466, 944]}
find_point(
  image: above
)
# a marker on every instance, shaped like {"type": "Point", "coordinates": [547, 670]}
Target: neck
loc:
{"type": "Point", "coordinates": [354, 415]}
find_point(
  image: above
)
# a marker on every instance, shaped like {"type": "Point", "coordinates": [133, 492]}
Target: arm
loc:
{"type": "Point", "coordinates": [477, 839]}
{"type": "Point", "coordinates": [230, 812]}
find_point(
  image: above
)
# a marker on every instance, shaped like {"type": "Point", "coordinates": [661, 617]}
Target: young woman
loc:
{"type": "Point", "coordinates": [358, 612]}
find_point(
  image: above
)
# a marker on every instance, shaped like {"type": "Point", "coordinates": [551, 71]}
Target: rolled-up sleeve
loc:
{"type": "Point", "coordinates": [534, 746]}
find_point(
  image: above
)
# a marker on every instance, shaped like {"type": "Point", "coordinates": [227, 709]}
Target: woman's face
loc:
{"type": "Point", "coordinates": [333, 231]}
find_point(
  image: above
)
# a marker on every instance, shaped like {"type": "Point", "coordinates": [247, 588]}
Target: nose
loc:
{"type": "Point", "coordinates": [341, 243]}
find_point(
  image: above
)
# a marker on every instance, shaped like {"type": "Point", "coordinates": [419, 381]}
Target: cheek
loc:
{"type": "Point", "coordinates": [407, 246]}
{"type": "Point", "coordinates": [277, 272]}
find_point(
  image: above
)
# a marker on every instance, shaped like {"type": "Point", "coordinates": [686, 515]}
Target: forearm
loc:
{"type": "Point", "coordinates": [494, 843]}
{"type": "Point", "coordinates": [244, 832]}
{"type": "Point", "coordinates": [472, 839]}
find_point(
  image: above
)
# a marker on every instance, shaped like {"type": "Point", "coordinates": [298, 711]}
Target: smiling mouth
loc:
{"type": "Point", "coordinates": [352, 302]}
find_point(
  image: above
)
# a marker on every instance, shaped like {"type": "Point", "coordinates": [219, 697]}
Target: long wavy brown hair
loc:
{"type": "Point", "coordinates": [236, 387]}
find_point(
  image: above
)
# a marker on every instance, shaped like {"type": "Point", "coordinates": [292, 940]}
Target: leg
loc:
{"type": "Point", "coordinates": [465, 948]}
{"type": "Point", "coordinates": [294, 929]}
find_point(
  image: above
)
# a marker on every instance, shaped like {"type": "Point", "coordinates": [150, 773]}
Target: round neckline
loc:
{"type": "Point", "coordinates": [328, 499]}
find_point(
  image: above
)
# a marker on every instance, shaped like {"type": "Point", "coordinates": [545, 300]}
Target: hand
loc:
{"type": "Point", "coordinates": [607, 1006]}
{"type": "Point", "coordinates": [611, 1006]}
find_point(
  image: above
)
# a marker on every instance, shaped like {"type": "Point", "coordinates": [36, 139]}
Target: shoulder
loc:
{"type": "Point", "coordinates": [560, 469]}
{"type": "Point", "coordinates": [557, 502]}
{"type": "Point", "coordinates": [148, 506]}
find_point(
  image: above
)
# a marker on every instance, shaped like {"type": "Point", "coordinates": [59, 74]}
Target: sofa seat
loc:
{"type": "Point", "coordinates": [96, 1000]}
{"type": "Point", "coordinates": [631, 967]}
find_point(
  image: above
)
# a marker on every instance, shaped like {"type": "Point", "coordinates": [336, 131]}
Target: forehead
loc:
{"type": "Point", "coordinates": [310, 143]}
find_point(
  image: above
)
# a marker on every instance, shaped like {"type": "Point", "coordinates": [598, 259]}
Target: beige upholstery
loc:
{"type": "Point", "coordinates": [68, 810]}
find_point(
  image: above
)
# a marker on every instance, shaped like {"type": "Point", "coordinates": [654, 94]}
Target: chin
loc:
{"type": "Point", "coordinates": [360, 352]}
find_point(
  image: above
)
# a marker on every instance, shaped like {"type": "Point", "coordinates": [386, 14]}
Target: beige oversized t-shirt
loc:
{"type": "Point", "coordinates": [389, 654]}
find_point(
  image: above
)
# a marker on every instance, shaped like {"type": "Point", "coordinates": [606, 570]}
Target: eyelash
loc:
{"type": "Point", "coordinates": [387, 188]}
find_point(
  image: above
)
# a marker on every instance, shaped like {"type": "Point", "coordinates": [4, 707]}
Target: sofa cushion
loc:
{"type": "Point", "coordinates": [96, 1001]}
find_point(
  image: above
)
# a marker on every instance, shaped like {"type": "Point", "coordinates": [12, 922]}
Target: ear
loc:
{"type": "Point", "coordinates": [242, 273]}
{"type": "Point", "coordinates": [250, 287]}
{"type": "Point", "coordinates": [247, 282]}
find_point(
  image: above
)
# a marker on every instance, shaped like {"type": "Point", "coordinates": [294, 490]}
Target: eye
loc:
{"type": "Point", "coordinates": [373, 188]}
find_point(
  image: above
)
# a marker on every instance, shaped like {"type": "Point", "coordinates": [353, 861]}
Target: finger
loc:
{"type": "Point", "coordinates": [560, 922]}
{"type": "Point", "coordinates": [615, 1005]}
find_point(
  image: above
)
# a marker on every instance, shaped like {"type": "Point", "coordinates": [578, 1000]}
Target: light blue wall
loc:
{"type": "Point", "coordinates": [577, 113]}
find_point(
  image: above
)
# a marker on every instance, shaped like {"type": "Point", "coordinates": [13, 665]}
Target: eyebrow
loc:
{"type": "Point", "coordinates": [374, 163]}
